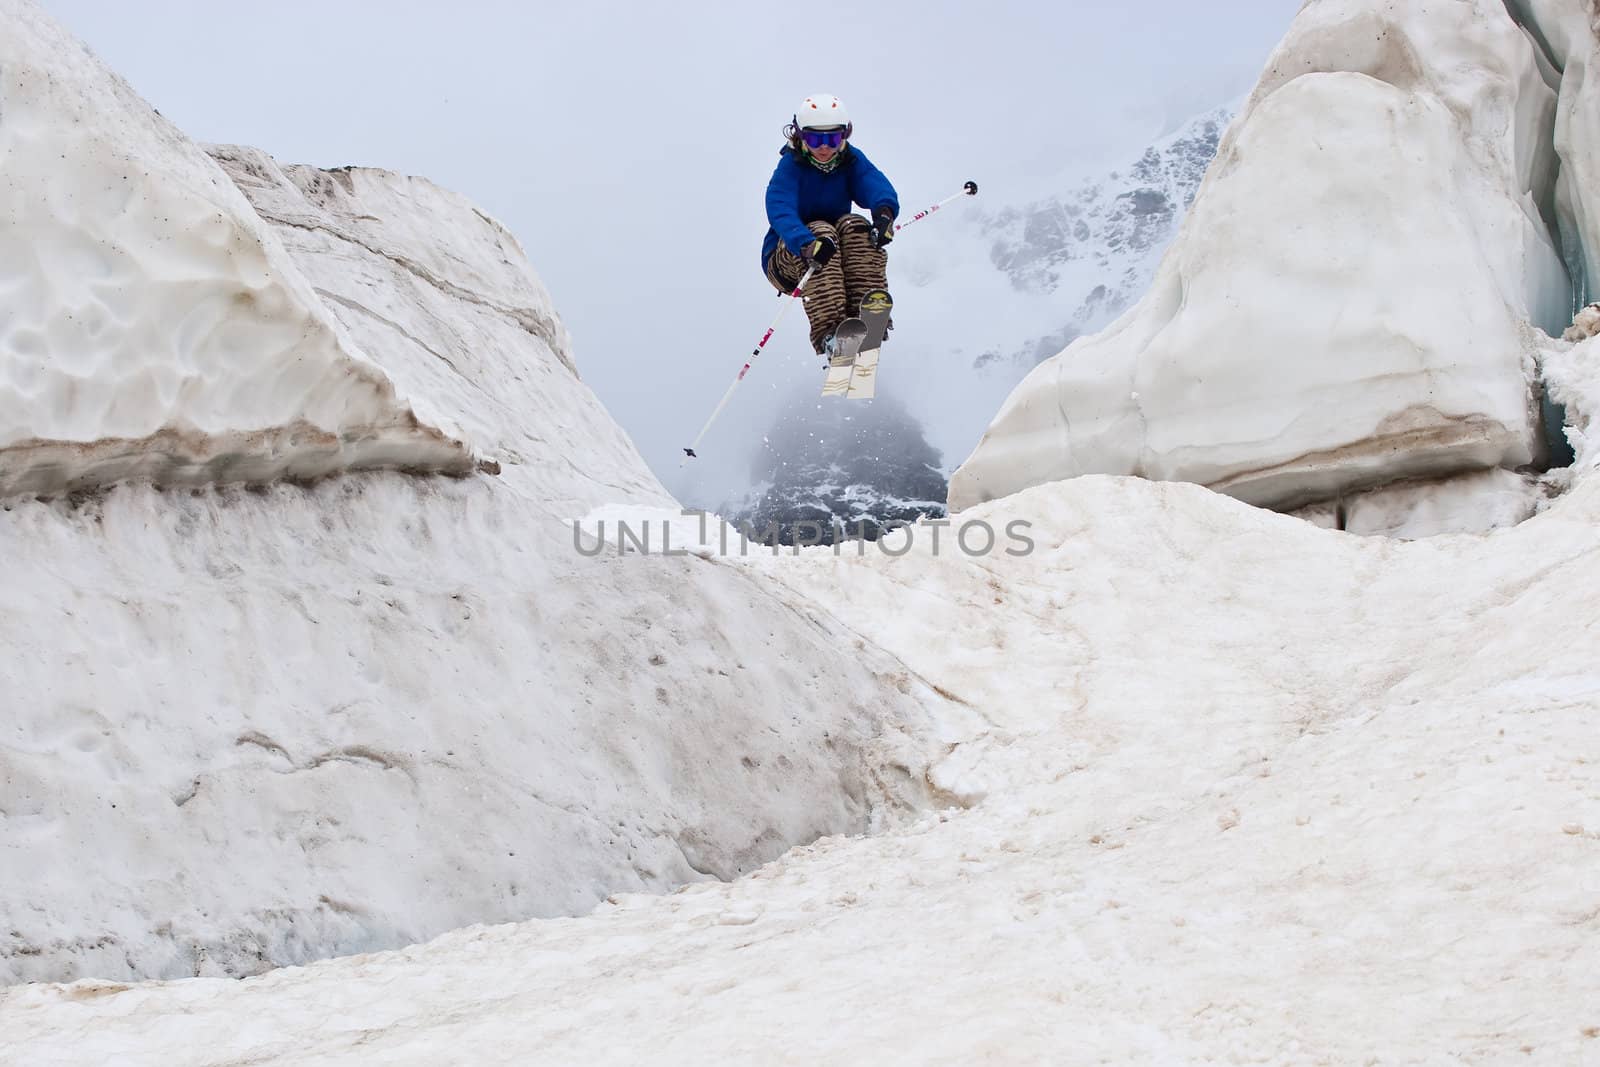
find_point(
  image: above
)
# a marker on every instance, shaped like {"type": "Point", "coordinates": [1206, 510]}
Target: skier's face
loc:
{"type": "Point", "coordinates": [824, 144]}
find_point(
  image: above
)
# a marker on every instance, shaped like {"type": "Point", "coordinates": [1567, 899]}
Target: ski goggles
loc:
{"type": "Point", "coordinates": [822, 138]}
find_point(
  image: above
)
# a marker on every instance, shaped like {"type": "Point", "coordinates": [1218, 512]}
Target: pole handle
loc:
{"type": "Point", "coordinates": [967, 189]}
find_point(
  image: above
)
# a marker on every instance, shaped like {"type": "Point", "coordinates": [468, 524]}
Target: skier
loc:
{"type": "Point", "coordinates": [819, 175]}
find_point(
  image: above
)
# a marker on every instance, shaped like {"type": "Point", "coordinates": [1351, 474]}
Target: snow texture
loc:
{"type": "Point", "coordinates": [1355, 296]}
{"type": "Point", "coordinates": [1585, 324]}
{"type": "Point", "coordinates": [1573, 375]}
{"type": "Point", "coordinates": [1231, 803]}
{"type": "Point", "coordinates": [252, 726]}
{"type": "Point", "coordinates": [150, 324]}
{"type": "Point", "coordinates": [1464, 503]}
{"type": "Point", "coordinates": [1213, 784]}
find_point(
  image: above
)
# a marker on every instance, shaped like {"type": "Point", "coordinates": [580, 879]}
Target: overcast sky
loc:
{"type": "Point", "coordinates": [628, 145]}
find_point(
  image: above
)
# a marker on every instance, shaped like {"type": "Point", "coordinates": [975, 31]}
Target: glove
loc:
{"type": "Point", "coordinates": [818, 252]}
{"type": "Point", "coordinates": [882, 226]}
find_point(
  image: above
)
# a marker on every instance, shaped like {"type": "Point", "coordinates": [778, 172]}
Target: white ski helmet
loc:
{"type": "Point", "coordinates": [820, 111]}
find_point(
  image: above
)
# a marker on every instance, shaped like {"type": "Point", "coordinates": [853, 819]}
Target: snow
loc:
{"type": "Point", "coordinates": [1465, 503]}
{"type": "Point", "coordinates": [1482, 501]}
{"type": "Point", "coordinates": [1573, 373]}
{"type": "Point", "coordinates": [246, 729]}
{"type": "Point", "coordinates": [1240, 806]}
{"type": "Point", "coordinates": [1585, 324]}
{"type": "Point", "coordinates": [151, 326]}
{"type": "Point", "coordinates": [1354, 296]}
{"type": "Point", "coordinates": [1159, 777]}
{"type": "Point", "coordinates": [255, 725]}
{"type": "Point", "coordinates": [445, 297]}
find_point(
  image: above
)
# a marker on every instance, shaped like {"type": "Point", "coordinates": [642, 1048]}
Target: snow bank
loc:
{"type": "Point", "coordinates": [150, 325]}
{"type": "Point", "coordinates": [1235, 795]}
{"type": "Point", "coordinates": [246, 727]}
{"type": "Point", "coordinates": [1573, 374]}
{"type": "Point", "coordinates": [1349, 300]}
{"type": "Point", "coordinates": [1585, 324]}
{"type": "Point", "coordinates": [445, 296]}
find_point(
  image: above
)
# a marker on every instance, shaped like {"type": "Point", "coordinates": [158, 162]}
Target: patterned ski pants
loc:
{"type": "Point", "coordinates": [834, 293]}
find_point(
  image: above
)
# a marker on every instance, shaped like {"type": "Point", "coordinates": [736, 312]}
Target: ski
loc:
{"type": "Point", "coordinates": [846, 343]}
{"type": "Point", "coordinates": [875, 308]}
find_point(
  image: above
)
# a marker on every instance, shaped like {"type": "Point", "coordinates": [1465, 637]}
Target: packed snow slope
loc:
{"type": "Point", "coordinates": [150, 323]}
{"type": "Point", "coordinates": [254, 725]}
{"type": "Point", "coordinates": [1241, 790]}
{"type": "Point", "coordinates": [1212, 783]}
{"type": "Point", "coordinates": [1359, 292]}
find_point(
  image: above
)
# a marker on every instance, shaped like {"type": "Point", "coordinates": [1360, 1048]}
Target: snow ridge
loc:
{"type": "Point", "coordinates": [1226, 794]}
{"type": "Point", "coordinates": [153, 326]}
{"type": "Point", "coordinates": [250, 726]}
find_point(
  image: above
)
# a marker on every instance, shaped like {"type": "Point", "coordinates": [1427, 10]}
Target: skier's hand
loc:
{"type": "Point", "coordinates": [882, 227]}
{"type": "Point", "coordinates": [818, 252]}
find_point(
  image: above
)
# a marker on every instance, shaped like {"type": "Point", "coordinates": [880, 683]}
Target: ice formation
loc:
{"type": "Point", "coordinates": [1358, 294]}
{"type": "Point", "coordinates": [1563, 33]}
{"type": "Point", "coordinates": [152, 325]}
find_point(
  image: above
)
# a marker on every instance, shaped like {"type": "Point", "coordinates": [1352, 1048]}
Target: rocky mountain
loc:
{"type": "Point", "coordinates": [852, 469]}
{"type": "Point", "coordinates": [1094, 247]}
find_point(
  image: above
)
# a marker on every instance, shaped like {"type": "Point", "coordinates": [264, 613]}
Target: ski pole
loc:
{"type": "Point", "coordinates": [794, 298]}
{"type": "Point", "coordinates": [969, 189]}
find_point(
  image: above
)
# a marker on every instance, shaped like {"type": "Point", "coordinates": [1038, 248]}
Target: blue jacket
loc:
{"type": "Point", "coordinates": [800, 193]}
